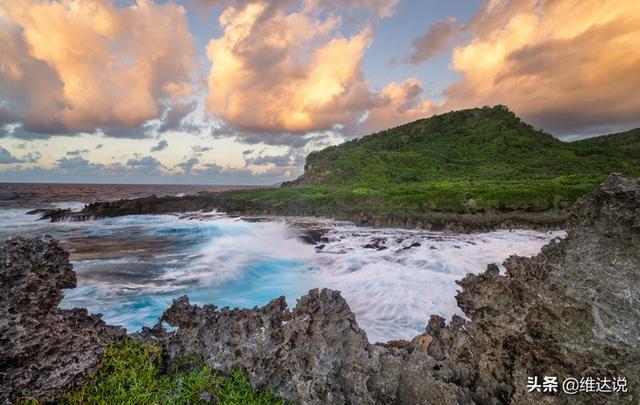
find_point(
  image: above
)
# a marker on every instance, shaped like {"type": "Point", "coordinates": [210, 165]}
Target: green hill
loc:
{"type": "Point", "coordinates": [475, 145]}
{"type": "Point", "coordinates": [483, 160]}
{"type": "Point", "coordinates": [469, 170]}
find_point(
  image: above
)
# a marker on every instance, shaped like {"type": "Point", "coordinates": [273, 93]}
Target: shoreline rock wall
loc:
{"type": "Point", "coordinates": [570, 311]}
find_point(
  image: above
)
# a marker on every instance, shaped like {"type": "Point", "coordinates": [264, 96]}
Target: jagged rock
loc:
{"type": "Point", "coordinates": [44, 350]}
{"type": "Point", "coordinates": [570, 311]}
{"type": "Point", "coordinates": [313, 354]}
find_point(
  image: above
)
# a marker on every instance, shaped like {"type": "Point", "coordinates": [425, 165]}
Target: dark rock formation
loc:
{"type": "Point", "coordinates": [226, 202]}
{"type": "Point", "coordinates": [570, 311]}
{"type": "Point", "coordinates": [44, 350]}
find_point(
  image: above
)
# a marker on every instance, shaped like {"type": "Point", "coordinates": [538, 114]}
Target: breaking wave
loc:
{"type": "Point", "coordinates": [130, 268]}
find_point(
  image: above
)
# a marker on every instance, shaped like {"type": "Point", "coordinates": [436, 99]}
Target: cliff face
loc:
{"type": "Point", "coordinates": [571, 311]}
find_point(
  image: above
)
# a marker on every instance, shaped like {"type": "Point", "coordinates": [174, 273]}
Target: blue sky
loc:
{"type": "Point", "coordinates": [239, 91]}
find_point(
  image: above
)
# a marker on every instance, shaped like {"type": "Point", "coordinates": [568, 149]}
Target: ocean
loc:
{"type": "Point", "coordinates": [131, 268]}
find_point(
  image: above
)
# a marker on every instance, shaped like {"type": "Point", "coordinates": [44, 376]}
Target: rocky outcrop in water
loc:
{"type": "Point", "coordinates": [572, 311]}
{"type": "Point", "coordinates": [44, 350]}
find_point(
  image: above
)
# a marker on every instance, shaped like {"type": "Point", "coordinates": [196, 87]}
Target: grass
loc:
{"type": "Point", "coordinates": [457, 195]}
{"type": "Point", "coordinates": [132, 373]}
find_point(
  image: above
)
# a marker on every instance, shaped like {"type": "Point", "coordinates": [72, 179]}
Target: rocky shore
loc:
{"type": "Point", "coordinates": [224, 202]}
{"type": "Point", "coordinates": [44, 350]}
{"type": "Point", "coordinates": [572, 311]}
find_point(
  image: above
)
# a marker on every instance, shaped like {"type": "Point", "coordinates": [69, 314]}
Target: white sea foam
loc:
{"type": "Point", "coordinates": [393, 291]}
{"type": "Point", "coordinates": [224, 261]}
{"type": "Point", "coordinates": [242, 245]}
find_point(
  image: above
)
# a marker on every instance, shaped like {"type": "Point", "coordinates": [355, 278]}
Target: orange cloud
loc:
{"type": "Point", "coordinates": [398, 103]}
{"type": "Point", "coordinates": [564, 65]}
{"type": "Point", "coordinates": [78, 65]}
{"type": "Point", "coordinates": [279, 71]}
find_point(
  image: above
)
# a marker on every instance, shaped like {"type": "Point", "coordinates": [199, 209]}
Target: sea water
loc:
{"type": "Point", "coordinates": [131, 268]}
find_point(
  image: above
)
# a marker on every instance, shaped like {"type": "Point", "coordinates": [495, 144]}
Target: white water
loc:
{"type": "Point", "coordinates": [131, 268]}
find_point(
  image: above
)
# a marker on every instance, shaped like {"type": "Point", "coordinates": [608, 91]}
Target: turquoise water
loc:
{"type": "Point", "coordinates": [131, 268]}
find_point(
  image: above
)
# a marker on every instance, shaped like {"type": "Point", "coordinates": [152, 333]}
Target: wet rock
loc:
{"type": "Point", "coordinates": [377, 244]}
{"type": "Point", "coordinates": [44, 350]}
{"type": "Point", "coordinates": [413, 245]}
{"type": "Point", "coordinates": [314, 236]}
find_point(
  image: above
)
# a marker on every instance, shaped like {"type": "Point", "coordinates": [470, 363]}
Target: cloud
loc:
{"type": "Point", "coordinates": [292, 140]}
{"type": "Point", "coordinates": [174, 118]}
{"type": "Point", "coordinates": [383, 8]}
{"type": "Point", "coordinates": [398, 103]}
{"type": "Point", "coordinates": [188, 164]}
{"type": "Point", "coordinates": [160, 146]}
{"type": "Point", "coordinates": [197, 150]}
{"type": "Point", "coordinates": [75, 66]}
{"type": "Point", "coordinates": [276, 71]}
{"type": "Point", "coordinates": [435, 41]}
{"type": "Point", "coordinates": [285, 75]}
{"type": "Point", "coordinates": [567, 66]}
{"type": "Point", "coordinates": [32, 157]}
{"type": "Point", "coordinates": [7, 158]}
{"type": "Point", "coordinates": [146, 162]}
{"type": "Point", "coordinates": [77, 164]}
{"type": "Point", "coordinates": [99, 146]}
{"type": "Point", "coordinates": [77, 152]}
{"type": "Point", "coordinates": [279, 160]}
{"type": "Point", "coordinates": [143, 131]}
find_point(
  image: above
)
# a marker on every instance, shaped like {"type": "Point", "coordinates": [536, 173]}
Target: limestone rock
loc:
{"type": "Point", "coordinates": [43, 350]}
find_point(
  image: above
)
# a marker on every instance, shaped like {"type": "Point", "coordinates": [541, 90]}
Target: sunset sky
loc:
{"type": "Point", "coordinates": [239, 91]}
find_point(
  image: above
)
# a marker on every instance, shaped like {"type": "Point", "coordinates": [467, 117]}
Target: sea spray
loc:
{"type": "Point", "coordinates": [131, 268]}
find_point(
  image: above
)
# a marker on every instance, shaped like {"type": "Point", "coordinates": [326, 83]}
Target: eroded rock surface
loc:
{"type": "Point", "coordinates": [44, 350]}
{"type": "Point", "coordinates": [570, 311]}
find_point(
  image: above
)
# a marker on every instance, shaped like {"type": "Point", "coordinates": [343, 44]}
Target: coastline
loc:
{"type": "Point", "coordinates": [552, 314]}
{"type": "Point", "coordinates": [225, 202]}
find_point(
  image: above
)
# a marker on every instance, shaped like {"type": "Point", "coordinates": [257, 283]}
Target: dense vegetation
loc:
{"type": "Point", "coordinates": [475, 160]}
{"type": "Point", "coordinates": [132, 373]}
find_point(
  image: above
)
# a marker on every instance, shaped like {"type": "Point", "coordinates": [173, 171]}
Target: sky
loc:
{"type": "Point", "coordinates": [240, 91]}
